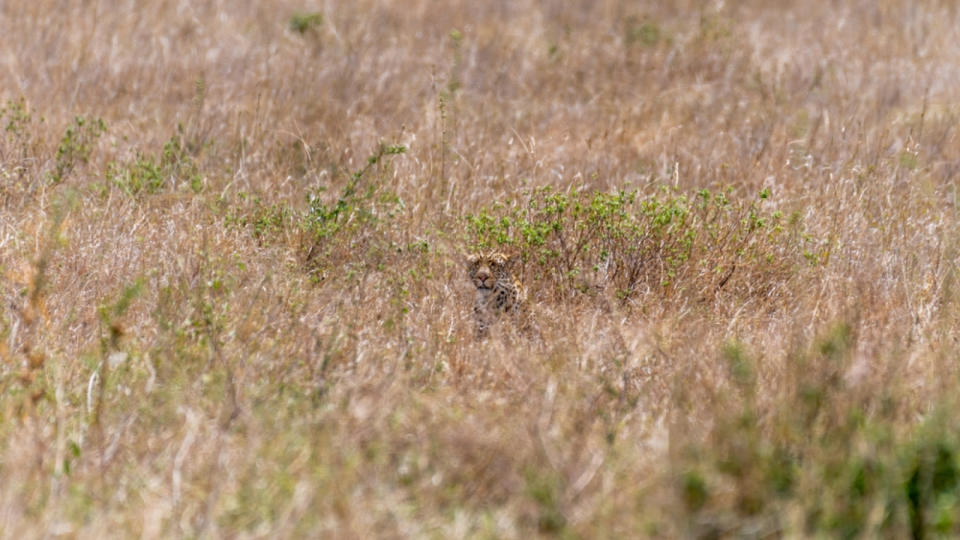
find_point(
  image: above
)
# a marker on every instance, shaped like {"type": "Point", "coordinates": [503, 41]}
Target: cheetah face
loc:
{"type": "Point", "coordinates": [487, 268]}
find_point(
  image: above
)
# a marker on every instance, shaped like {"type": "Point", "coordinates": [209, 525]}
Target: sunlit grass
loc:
{"type": "Point", "coordinates": [234, 300]}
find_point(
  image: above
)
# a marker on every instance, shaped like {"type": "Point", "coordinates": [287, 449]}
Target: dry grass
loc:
{"type": "Point", "coordinates": [192, 345]}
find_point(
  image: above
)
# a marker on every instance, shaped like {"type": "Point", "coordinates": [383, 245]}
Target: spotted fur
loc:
{"type": "Point", "coordinates": [498, 291]}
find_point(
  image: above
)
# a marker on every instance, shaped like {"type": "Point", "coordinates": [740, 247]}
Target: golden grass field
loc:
{"type": "Point", "coordinates": [234, 302]}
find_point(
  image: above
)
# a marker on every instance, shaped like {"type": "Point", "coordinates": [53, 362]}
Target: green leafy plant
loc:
{"type": "Point", "coordinates": [76, 146]}
{"type": "Point", "coordinates": [18, 140]}
{"type": "Point", "coordinates": [302, 23]}
{"type": "Point", "coordinates": [15, 117]}
{"type": "Point", "coordinates": [173, 165]}
{"type": "Point", "coordinates": [645, 33]}
{"type": "Point", "coordinates": [265, 221]}
{"type": "Point", "coordinates": [364, 201]}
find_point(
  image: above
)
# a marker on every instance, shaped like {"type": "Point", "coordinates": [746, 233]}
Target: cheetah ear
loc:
{"type": "Point", "coordinates": [469, 260]}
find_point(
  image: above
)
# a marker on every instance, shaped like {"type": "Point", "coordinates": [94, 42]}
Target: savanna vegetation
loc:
{"type": "Point", "coordinates": [234, 302]}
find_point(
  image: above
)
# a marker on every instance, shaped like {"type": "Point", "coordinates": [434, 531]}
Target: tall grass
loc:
{"type": "Point", "coordinates": [234, 305]}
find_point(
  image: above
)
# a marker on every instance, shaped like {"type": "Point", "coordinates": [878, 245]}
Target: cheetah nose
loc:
{"type": "Point", "coordinates": [483, 279]}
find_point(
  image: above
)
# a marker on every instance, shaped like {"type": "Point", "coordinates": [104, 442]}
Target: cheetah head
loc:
{"type": "Point", "coordinates": [487, 268]}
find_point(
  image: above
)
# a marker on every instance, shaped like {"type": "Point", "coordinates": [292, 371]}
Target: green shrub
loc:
{"type": "Point", "coordinates": [266, 222]}
{"type": "Point", "coordinates": [301, 23]}
{"type": "Point", "coordinates": [76, 146]}
{"type": "Point", "coordinates": [18, 143]}
{"type": "Point", "coordinates": [580, 240]}
{"type": "Point", "coordinates": [365, 201]}
{"type": "Point", "coordinates": [146, 174]}
{"type": "Point", "coordinates": [645, 33]}
{"type": "Point", "coordinates": [15, 117]}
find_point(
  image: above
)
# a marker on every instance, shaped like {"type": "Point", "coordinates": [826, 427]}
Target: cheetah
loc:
{"type": "Point", "coordinates": [498, 291]}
